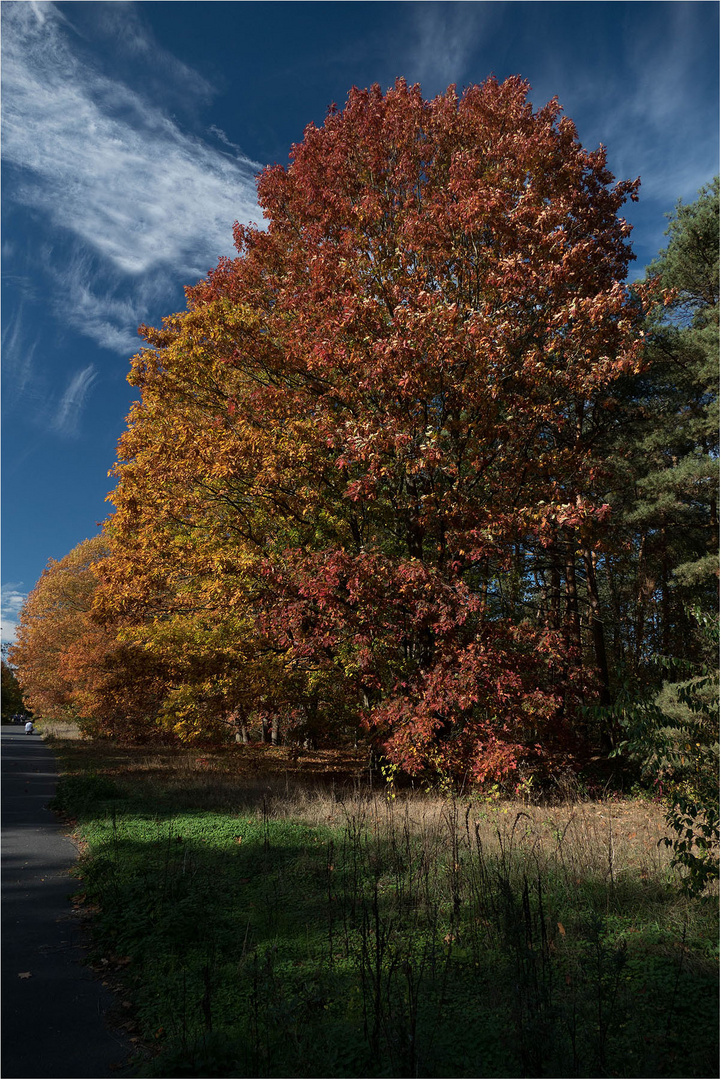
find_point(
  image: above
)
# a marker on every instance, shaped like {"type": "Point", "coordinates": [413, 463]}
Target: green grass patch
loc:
{"type": "Point", "coordinates": [367, 936]}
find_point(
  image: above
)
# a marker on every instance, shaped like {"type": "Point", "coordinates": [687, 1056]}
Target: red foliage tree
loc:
{"type": "Point", "coordinates": [408, 366]}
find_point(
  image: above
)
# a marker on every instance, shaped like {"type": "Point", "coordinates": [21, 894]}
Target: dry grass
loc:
{"type": "Point", "coordinates": [367, 911]}
{"type": "Point", "coordinates": [58, 730]}
{"type": "Point", "coordinates": [615, 844]}
{"type": "Point", "coordinates": [613, 839]}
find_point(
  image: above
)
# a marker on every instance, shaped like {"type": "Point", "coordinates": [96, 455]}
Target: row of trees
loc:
{"type": "Point", "coordinates": [416, 465]}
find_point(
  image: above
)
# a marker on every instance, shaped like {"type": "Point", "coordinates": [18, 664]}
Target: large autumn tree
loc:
{"type": "Point", "coordinates": [368, 445]}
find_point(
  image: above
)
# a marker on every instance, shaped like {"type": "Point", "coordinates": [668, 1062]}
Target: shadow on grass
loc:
{"type": "Point", "coordinates": [259, 945]}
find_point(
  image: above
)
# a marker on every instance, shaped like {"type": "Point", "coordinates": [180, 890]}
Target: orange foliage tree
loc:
{"type": "Point", "coordinates": [369, 429]}
{"type": "Point", "coordinates": [71, 666]}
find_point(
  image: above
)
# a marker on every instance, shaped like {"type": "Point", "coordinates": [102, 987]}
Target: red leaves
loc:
{"type": "Point", "coordinates": [381, 410]}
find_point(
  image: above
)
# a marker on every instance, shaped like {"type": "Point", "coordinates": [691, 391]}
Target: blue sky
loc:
{"type": "Point", "coordinates": [132, 134]}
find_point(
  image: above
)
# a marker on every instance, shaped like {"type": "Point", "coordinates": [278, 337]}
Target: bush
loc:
{"type": "Point", "coordinates": [675, 738]}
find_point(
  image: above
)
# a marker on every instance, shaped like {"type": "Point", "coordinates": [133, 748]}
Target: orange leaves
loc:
{"type": "Point", "coordinates": [72, 663]}
{"type": "Point", "coordinates": [356, 426]}
{"type": "Point", "coordinates": [56, 629]}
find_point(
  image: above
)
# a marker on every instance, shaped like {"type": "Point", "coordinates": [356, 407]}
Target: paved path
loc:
{"type": "Point", "coordinates": [53, 1007]}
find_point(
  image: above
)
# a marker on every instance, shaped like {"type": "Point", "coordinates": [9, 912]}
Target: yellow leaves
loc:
{"type": "Point", "coordinates": [296, 404]}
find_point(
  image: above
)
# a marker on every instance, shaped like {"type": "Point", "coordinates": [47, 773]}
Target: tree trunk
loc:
{"type": "Point", "coordinates": [554, 607]}
{"type": "Point", "coordinates": [573, 622]}
{"type": "Point", "coordinates": [484, 583]}
{"type": "Point", "coordinates": [665, 596]}
{"type": "Point", "coordinates": [597, 631]}
{"type": "Point", "coordinates": [237, 719]}
{"type": "Point", "coordinates": [641, 599]}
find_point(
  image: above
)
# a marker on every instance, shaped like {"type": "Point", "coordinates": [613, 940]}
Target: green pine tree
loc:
{"type": "Point", "coordinates": [663, 577]}
{"type": "Point", "coordinates": [665, 565]}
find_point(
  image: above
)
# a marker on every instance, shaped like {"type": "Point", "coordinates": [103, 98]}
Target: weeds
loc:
{"type": "Point", "coordinates": [272, 931]}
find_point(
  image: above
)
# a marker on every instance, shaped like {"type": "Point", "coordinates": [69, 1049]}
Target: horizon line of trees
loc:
{"type": "Point", "coordinates": [418, 466]}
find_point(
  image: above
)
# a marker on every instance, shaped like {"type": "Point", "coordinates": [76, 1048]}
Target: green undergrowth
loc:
{"type": "Point", "coordinates": [388, 943]}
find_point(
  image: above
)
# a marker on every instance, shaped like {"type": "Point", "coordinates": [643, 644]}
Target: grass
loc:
{"type": "Point", "coordinates": [264, 917]}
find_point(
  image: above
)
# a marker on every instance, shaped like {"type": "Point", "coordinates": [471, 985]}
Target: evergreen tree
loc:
{"type": "Point", "coordinates": [665, 565]}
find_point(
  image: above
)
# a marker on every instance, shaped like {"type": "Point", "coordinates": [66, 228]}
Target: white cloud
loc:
{"type": "Point", "coordinates": [664, 125]}
{"type": "Point", "coordinates": [18, 352]}
{"type": "Point", "coordinates": [642, 95]}
{"type": "Point", "coordinates": [95, 158]}
{"type": "Point", "coordinates": [220, 134]}
{"type": "Point", "coordinates": [444, 38]}
{"type": "Point", "coordinates": [26, 377]}
{"type": "Point", "coordinates": [67, 415]}
{"type": "Point", "coordinates": [38, 9]}
{"type": "Point", "coordinates": [651, 109]}
{"type": "Point", "coordinates": [106, 306]}
{"type": "Point", "coordinates": [11, 601]}
{"type": "Point", "coordinates": [120, 23]}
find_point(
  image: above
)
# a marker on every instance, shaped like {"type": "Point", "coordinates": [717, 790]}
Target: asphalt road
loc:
{"type": "Point", "coordinates": [53, 1007]}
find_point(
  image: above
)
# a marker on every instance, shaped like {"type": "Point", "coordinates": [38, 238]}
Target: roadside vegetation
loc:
{"type": "Point", "coordinates": [411, 582]}
{"type": "Point", "coordinates": [258, 918]}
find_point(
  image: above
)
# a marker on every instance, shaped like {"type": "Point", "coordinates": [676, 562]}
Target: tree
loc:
{"type": "Point", "coordinates": [668, 516]}
{"type": "Point", "coordinates": [370, 430]}
{"type": "Point", "coordinates": [12, 695]}
{"type": "Point", "coordinates": [666, 498]}
{"type": "Point", "coordinates": [53, 618]}
{"type": "Point", "coordinates": [70, 665]}
{"type": "Point", "coordinates": [678, 491]}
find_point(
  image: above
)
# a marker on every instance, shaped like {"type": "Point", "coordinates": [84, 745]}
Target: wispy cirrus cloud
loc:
{"type": "Point", "coordinates": [32, 385]}
{"type": "Point", "coordinates": [107, 305]}
{"type": "Point", "coordinates": [120, 22]}
{"type": "Point", "coordinates": [220, 134]}
{"type": "Point", "coordinates": [665, 128]}
{"type": "Point", "coordinates": [672, 141]}
{"type": "Point", "coordinates": [18, 351]}
{"type": "Point", "coordinates": [639, 89]}
{"type": "Point", "coordinates": [442, 40]}
{"type": "Point", "coordinates": [67, 414]}
{"type": "Point", "coordinates": [110, 169]}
